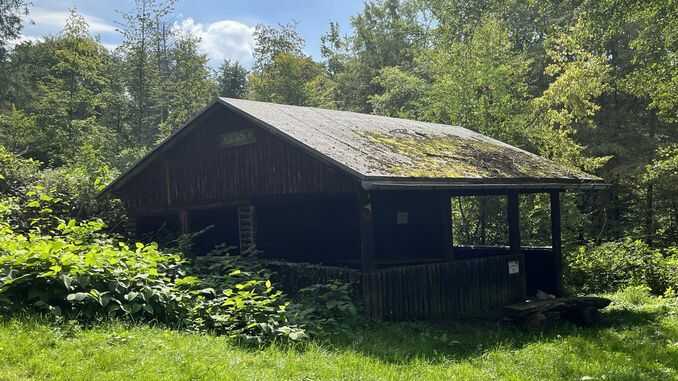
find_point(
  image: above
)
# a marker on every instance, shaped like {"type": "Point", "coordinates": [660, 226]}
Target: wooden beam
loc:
{"type": "Point", "coordinates": [367, 248]}
{"type": "Point", "coordinates": [447, 247]}
{"type": "Point", "coordinates": [514, 222]}
{"type": "Point", "coordinates": [184, 222]}
{"type": "Point", "coordinates": [168, 184]}
{"type": "Point", "coordinates": [556, 240]}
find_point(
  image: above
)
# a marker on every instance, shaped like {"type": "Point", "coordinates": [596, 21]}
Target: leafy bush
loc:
{"type": "Point", "coordinates": [326, 309]}
{"type": "Point", "coordinates": [221, 269]}
{"type": "Point", "coordinates": [81, 273]}
{"type": "Point", "coordinates": [238, 299]}
{"type": "Point", "coordinates": [252, 311]}
{"type": "Point", "coordinates": [85, 275]}
{"type": "Point", "coordinates": [37, 198]}
{"type": "Point", "coordinates": [613, 266]}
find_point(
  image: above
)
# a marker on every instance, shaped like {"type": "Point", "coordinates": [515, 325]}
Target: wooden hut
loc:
{"type": "Point", "coordinates": [356, 191]}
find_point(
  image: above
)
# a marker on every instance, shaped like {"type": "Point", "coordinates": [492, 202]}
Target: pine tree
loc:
{"type": "Point", "coordinates": [232, 80]}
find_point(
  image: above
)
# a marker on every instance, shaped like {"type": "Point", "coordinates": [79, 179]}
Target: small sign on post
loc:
{"type": "Point", "coordinates": [513, 267]}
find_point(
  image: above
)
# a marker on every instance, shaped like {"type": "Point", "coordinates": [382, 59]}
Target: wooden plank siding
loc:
{"type": "Point", "coordinates": [447, 290]}
{"type": "Point", "coordinates": [203, 171]}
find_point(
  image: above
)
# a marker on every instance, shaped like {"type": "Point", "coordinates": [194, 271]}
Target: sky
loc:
{"type": "Point", "coordinates": [225, 26]}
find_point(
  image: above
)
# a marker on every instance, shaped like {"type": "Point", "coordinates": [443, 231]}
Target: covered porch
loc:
{"type": "Point", "coordinates": [414, 266]}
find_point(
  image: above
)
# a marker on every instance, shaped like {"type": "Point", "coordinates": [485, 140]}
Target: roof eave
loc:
{"type": "Point", "coordinates": [532, 185]}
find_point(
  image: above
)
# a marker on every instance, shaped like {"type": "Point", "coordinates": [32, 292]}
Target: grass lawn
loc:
{"type": "Point", "coordinates": [633, 343]}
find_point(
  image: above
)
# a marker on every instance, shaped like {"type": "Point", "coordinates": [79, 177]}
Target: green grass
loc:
{"type": "Point", "coordinates": [633, 343]}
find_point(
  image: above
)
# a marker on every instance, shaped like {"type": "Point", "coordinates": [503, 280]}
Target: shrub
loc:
{"type": "Point", "coordinates": [221, 270]}
{"type": "Point", "coordinates": [251, 311]}
{"type": "Point", "coordinates": [82, 274]}
{"type": "Point", "coordinates": [238, 299]}
{"type": "Point", "coordinates": [326, 309]}
{"type": "Point", "coordinates": [613, 266]}
{"type": "Point", "coordinates": [41, 198]}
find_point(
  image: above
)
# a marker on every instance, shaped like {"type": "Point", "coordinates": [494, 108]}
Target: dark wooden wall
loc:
{"type": "Point", "coordinates": [201, 170]}
{"type": "Point", "coordinates": [417, 240]}
{"type": "Point", "coordinates": [309, 229]}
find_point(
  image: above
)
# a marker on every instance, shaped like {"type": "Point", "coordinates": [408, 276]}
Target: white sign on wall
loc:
{"type": "Point", "coordinates": [402, 218]}
{"type": "Point", "coordinates": [513, 267]}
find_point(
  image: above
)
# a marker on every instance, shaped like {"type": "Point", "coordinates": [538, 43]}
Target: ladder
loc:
{"type": "Point", "coordinates": [246, 228]}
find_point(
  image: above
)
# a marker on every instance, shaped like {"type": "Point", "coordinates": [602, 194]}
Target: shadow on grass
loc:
{"type": "Point", "coordinates": [399, 343]}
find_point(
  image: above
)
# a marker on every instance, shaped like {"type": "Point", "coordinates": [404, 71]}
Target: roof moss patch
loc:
{"type": "Point", "coordinates": [449, 156]}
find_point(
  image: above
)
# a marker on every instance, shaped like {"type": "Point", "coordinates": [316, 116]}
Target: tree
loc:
{"type": "Point", "coordinates": [334, 49]}
{"type": "Point", "coordinates": [66, 95]}
{"type": "Point", "coordinates": [662, 175]}
{"type": "Point", "coordinates": [17, 131]}
{"type": "Point", "coordinates": [272, 41]}
{"type": "Point", "coordinates": [637, 113]}
{"type": "Point", "coordinates": [192, 86]}
{"type": "Point", "coordinates": [569, 103]}
{"type": "Point", "coordinates": [281, 70]}
{"type": "Point", "coordinates": [284, 80]}
{"type": "Point", "coordinates": [144, 45]}
{"type": "Point", "coordinates": [385, 34]}
{"type": "Point", "coordinates": [480, 83]}
{"type": "Point", "coordinates": [321, 91]}
{"type": "Point", "coordinates": [10, 21]}
{"type": "Point", "coordinates": [24, 68]}
{"type": "Point", "coordinates": [403, 95]}
{"type": "Point", "coordinates": [654, 73]}
{"type": "Point", "coordinates": [232, 80]}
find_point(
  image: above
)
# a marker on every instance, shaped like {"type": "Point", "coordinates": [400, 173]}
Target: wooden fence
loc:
{"type": "Point", "coordinates": [477, 287]}
{"type": "Point", "coordinates": [462, 288]}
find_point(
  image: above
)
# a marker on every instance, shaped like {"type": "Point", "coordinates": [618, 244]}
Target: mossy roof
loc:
{"type": "Point", "coordinates": [380, 147]}
{"type": "Point", "coordinates": [386, 152]}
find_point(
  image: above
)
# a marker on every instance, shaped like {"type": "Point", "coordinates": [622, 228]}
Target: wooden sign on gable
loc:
{"type": "Point", "coordinates": [238, 138]}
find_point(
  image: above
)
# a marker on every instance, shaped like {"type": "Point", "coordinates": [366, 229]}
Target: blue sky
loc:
{"type": "Point", "coordinates": [225, 26]}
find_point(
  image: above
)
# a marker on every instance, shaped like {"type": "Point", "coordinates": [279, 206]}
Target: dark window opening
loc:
{"type": "Point", "coordinates": [480, 221]}
{"type": "Point", "coordinates": [535, 220]}
{"type": "Point", "coordinates": [163, 229]}
{"type": "Point", "coordinates": [214, 227]}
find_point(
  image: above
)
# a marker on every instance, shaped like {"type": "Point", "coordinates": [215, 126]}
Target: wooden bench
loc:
{"type": "Point", "coordinates": [583, 310]}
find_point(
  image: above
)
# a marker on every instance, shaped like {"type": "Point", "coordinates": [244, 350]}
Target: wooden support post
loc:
{"type": "Point", "coordinates": [446, 225]}
{"type": "Point", "coordinates": [183, 221]}
{"type": "Point", "coordinates": [168, 183]}
{"type": "Point", "coordinates": [514, 222]}
{"type": "Point", "coordinates": [367, 248]}
{"type": "Point", "coordinates": [556, 241]}
{"type": "Point", "coordinates": [482, 205]}
{"type": "Point", "coordinates": [514, 236]}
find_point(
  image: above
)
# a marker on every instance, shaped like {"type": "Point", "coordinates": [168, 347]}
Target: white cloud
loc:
{"type": "Point", "coordinates": [110, 47]}
{"type": "Point", "coordinates": [57, 19]}
{"type": "Point", "coordinates": [224, 39]}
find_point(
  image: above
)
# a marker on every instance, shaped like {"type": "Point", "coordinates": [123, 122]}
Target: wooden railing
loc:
{"type": "Point", "coordinates": [475, 287]}
{"type": "Point", "coordinates": [461, 288]}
